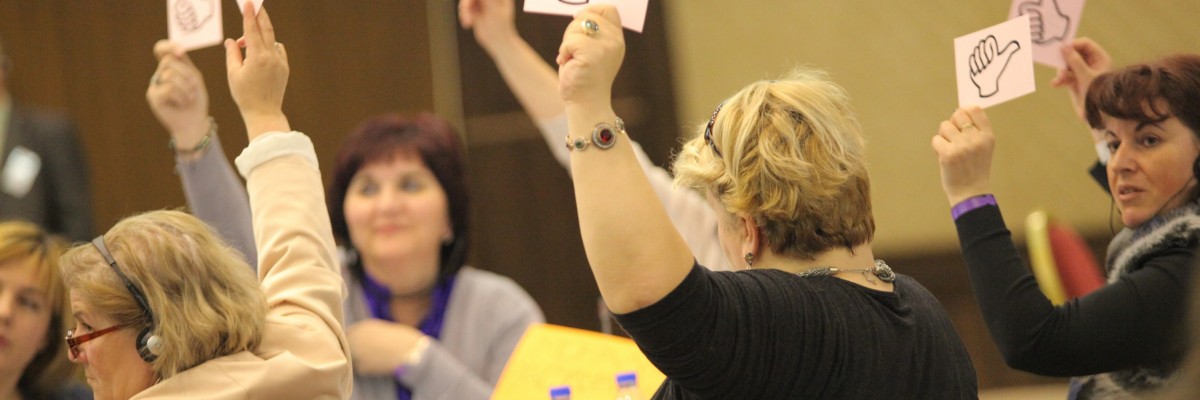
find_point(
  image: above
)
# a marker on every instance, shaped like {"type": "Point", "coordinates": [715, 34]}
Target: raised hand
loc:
{"type": "Point", "coordinates": [1085, 61]}
{"type": "Point", "coordinates": [177, 95]}
{"type": "Point", "coordinates": [988, 62]}
{"type": "Point", "coordinates": [257, 81]}
{"type": "Point", "coordinates": [1047, 22]}
{"type": "Point", "coordinates": [492, 21]}
{"type": "Point", "coordinates": [964, 150]}
{"type": "Point", "coordinates": [588, 59]}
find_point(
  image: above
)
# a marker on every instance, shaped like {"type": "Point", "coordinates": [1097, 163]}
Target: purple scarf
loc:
{"type": "Point", "coordinates": [379, 300]}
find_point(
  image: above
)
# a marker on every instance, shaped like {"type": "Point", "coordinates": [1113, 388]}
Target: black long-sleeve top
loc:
{"type": "Point", "coordinates": [1134, 321]}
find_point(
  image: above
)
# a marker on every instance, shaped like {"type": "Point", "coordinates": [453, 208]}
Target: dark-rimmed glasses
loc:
{"type": "Point", "coordinates": [73, 341]}
{"type": "Point", "coordinates": [708, 130]}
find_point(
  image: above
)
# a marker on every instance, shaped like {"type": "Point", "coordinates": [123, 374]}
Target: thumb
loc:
{"type": "Point", "coordinates": [466, 16]}
{"type": "Point", "coordinates": [165, 47]}
{"type": "Point", "coordinates": [1074, 60]}
{"type": "Point", "coordinates": [1029, 6]}
{"type": "Point", "coordinates": [1013, 45]}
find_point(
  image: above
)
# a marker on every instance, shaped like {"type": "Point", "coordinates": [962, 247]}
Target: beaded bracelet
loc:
{"type": "Point", "coordinates": [604, 136]}
{"type": "Point", "coordinates": [204, 141]}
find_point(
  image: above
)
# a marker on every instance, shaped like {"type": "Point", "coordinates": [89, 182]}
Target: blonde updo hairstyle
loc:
{"type": "Point", "coordinates": [24, 245]}
{"type": "Point", "coordinates": [792, 159]}
{"type": "Point", "coordinates": [205, 298]}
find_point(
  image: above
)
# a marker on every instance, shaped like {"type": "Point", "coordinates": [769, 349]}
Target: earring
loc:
{"type": "Point", "coordinates": [750, 259]}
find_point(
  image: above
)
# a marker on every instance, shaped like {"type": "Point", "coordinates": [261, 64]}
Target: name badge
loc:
{"type": "Point", "coordinates": [20, 171]}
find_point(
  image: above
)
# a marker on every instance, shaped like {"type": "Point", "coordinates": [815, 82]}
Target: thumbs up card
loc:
{"type": "Point", "coordinates": [1052, 23]}
{"type": "Point", "coordinates": [194, 24]}
{"type": "Point", "coordinates": [994, 65]}
{"type": "Point", "coordinates": [633, 12]}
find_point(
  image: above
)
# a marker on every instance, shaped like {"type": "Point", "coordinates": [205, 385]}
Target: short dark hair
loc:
{"type": "Point", "coordinates": [440, 149]}
{"type": "Point", "coordinates": [1138, 92]}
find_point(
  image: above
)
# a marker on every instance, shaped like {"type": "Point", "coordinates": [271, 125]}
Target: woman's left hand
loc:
{"type": "Point", "coordinates": [964, 146]}
{"type": "Point", "coordinates": [258, 81]}
{"type": "Point", "coordinates": [378, 347]}
{"type": "Point", "coordinates": [588, 60]}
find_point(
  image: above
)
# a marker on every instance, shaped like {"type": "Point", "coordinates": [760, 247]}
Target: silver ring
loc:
{"type": "Point", "coordinates": [590, 27]}
{"type": "Point", "coordinates": [154, 79]}
{"type": "Point", "coordinates": [969, 125]}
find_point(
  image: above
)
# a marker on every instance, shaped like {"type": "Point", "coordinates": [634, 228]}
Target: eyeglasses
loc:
{"type": "Point", "coordinates": [708, 130]}
{"type": "Point", "coordinates": [73, 341]}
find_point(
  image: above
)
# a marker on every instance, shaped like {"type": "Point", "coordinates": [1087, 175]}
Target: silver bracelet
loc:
{"type": "Point", "coordinates": [604, 136]}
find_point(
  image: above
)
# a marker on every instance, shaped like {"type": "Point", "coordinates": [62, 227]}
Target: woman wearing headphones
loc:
{"type": "Point", "coordinates": [165, 309]}
{"type": "Point", "coordinates": [1127, 337]}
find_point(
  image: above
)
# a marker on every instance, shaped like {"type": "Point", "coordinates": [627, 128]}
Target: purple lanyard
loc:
{"type": "Point", "coordinates": [379, 298]}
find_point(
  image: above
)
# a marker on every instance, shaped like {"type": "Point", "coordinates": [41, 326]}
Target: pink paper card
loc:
{"type": "Point", "coordinates": [194, 24]}
{"type": "Point", "coordinates": [257, 5]}
{"type": "Point", "coordinates": [994, 65]}
{"type": "Point", "coordinates": [1052, 23]}
{"type": "Point", "coordinates": [633, 12]}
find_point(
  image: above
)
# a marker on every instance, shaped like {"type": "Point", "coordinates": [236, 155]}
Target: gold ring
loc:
{"type": "Point", "coordinates": [967, 126]}
{"type": "Point", "coordinates": [590, 27]}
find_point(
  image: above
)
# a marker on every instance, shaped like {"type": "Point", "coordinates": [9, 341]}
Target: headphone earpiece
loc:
{"type": "Point", "coordinates": [149, 345]}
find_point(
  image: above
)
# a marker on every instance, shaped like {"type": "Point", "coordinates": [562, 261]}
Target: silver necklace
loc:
{"type": "Point", "coordinates": [881, 270]}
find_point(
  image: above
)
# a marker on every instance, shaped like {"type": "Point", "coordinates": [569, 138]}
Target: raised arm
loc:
{"type": "Point", "coordinates": [179, 99]}
{"type": "Point", "coordinates": [1085, 61]}
{"type": "Point", "coordinates": [635, 253]}
{"type": "Point", "coordinates": [297, 256]}
{"type": "Point", "coordinates": [535, 84]}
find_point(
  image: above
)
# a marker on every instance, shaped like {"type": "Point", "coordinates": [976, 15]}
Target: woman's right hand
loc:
{"type": "Point", "coordinates": [258, 80]}
{"type": "Point", "coordinates": [177, 95]}
{"type": "Point", "coordinates": [588, 63]}
{"type": "Point", "coordinates": [964, 146]}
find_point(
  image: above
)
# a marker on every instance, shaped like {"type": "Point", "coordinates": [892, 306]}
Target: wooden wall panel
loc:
{"type": "Point", "coordinates": [92, 60]}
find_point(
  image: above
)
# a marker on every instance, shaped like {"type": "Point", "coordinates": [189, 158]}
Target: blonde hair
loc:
{"type": "Point", "coordinates": [205, 299]}
{"type": "Point", "coordinates": [24, 245]}
{"type": "Point", "coordinates": [793, 159]}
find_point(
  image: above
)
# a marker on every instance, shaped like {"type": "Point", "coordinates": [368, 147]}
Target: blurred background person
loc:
{"type": "Point", "coordinates": [34, 311]}
{"type": "Point", "coordinates": [43, 172]}
{"type": "Point", "coordinates": [421, 323]}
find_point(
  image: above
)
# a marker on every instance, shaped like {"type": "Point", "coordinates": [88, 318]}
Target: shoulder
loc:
{"type": "Point", "coordinates": [485, 287]}
{"type": "Point", "coordinates": [40, 119]}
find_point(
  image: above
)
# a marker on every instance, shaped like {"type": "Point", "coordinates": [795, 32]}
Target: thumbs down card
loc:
{"type": "Point", "coordinates": [994, 65]}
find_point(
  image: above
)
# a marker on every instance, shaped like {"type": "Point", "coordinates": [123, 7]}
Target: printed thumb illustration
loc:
{"type": "Point", "coordinates": [191, 15]}
{"type": "Point", "coordinates": [1047, 23]}
{"type": "Point", "coordinates": [988, 62]}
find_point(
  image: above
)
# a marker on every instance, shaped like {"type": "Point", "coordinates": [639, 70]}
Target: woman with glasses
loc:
{"type": "Point", "coordinates": [165, 309]}
{"type": "Point", "coordinates": [810, 313]}
{"type": "Point", "coordinates": [33, 314]}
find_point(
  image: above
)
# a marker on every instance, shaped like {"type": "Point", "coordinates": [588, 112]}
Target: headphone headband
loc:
{"type": "Point", "coordinates": [138, 296]}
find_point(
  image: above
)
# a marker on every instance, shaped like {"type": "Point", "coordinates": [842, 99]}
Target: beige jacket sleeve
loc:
{"type": "Point", "coordinates": [297, 263]}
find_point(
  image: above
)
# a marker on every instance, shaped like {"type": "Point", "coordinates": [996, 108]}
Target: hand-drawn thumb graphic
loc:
{"type": "Point", "coordinates": [1047, 23]}
{"type": "Point", "coordinates": [191, 15]}
{"type": "Point", "coordinates": [988, 62]}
